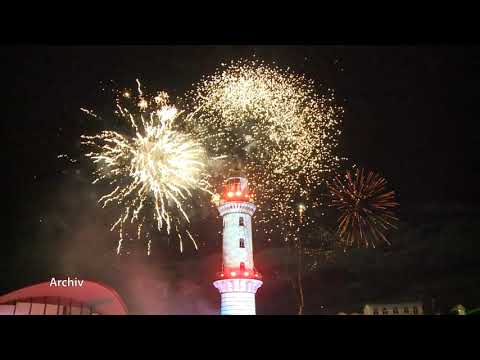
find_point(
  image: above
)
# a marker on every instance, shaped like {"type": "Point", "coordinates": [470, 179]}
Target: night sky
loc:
{"type": "Point", "coordinates": [410, 114]}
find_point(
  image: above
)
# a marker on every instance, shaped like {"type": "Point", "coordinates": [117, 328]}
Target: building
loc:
{"type": "Point", "coordinates": [239, 280]}
{"type": "Point", "coordinates": [405, 308]}
{"type": "Point", "coordinates": [342, 313]}
{"type": "Point", "coordinates": [90, 298]}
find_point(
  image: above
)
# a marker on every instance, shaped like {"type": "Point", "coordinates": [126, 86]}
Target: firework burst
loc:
{"type": "Point", "coordinates": [152, 167]}
{"type": "Point", "coordinates": [366, 208]}
{"type": "Point", "coordinates": [272, 122]}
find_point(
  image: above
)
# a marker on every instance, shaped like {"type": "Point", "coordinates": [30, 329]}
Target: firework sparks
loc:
{"type": "Point", "coordinates": [152, 167]}
{"type": "Point", "coordinates": [366, 208]}
{"type": "Point", "coordinates": [273, 121]}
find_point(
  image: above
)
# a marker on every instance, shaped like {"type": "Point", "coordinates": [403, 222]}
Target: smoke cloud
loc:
{"type": "Point", "coordinates": [75, 237]}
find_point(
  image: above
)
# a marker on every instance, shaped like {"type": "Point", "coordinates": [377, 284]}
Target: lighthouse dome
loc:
{"type": "Point", "coordinates": [236, 189]}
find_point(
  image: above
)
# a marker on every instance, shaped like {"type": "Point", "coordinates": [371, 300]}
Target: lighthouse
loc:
{"type": "Point", "coordinates": [238, 281]}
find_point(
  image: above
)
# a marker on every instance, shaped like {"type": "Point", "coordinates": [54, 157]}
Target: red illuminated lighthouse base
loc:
{"type": "Point", "coordinates": [237, 295]}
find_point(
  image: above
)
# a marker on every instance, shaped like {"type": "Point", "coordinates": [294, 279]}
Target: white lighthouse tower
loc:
{"type": "Point", "coordinates": [238, 281]}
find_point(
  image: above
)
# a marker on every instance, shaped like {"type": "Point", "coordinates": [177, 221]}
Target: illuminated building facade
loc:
{"type": "Point", "coordinates": [42, 299]}
{"type": "Point", "coordinates": [239, 280]}
{"type": "Point", "coordinates": [407, 308]}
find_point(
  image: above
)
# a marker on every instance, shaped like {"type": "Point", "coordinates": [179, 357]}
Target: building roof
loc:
{"type": "Point", "coordinates": [398, 303]}
{"type": "Point", "coordinates": [104, 299]}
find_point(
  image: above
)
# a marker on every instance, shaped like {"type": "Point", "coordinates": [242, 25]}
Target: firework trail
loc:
{"type": "Point", "coordinates": [274, 124]}
{"type": "Point", "coordinates": [152, 167]}
{"type": "Point", "coordinates": [366, 208]}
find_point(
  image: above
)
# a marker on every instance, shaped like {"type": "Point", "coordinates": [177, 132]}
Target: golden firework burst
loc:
{"type": "Point", "coordinates": [366, 208]}
{"type": "Point", "coordinates": [274, 121]}
{"type": "Point", "coordinates": [152, 167]}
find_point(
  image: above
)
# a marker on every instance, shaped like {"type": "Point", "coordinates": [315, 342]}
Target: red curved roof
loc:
{"type": "Point", "coordinates": [105, 300]}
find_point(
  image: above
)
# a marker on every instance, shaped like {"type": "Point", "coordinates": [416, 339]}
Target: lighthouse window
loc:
{"type": "Point", "coordinates": [241, 222]}
{"type": "Point", "coordinates": [242, 243]}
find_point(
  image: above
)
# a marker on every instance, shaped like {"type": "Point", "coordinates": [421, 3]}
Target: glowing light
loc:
{"type": "Point", "coordinates": [245, 274]}
{"type": "Point", "coordinates": [153, 168]}
{"type": "Point", "coordinates": [230, 194]}
{"type": "Point", "coordinates": [143, 104]}
{"type": "Point", "coordinates": [215, 199]}
{"type": "Point", "coordinates": [233, 273]}
{"type": "Point", "coordinates": [238, 193]}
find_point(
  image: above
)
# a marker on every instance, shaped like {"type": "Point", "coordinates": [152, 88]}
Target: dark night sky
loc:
{"type": "Point", "coordinates": [410, 112]}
